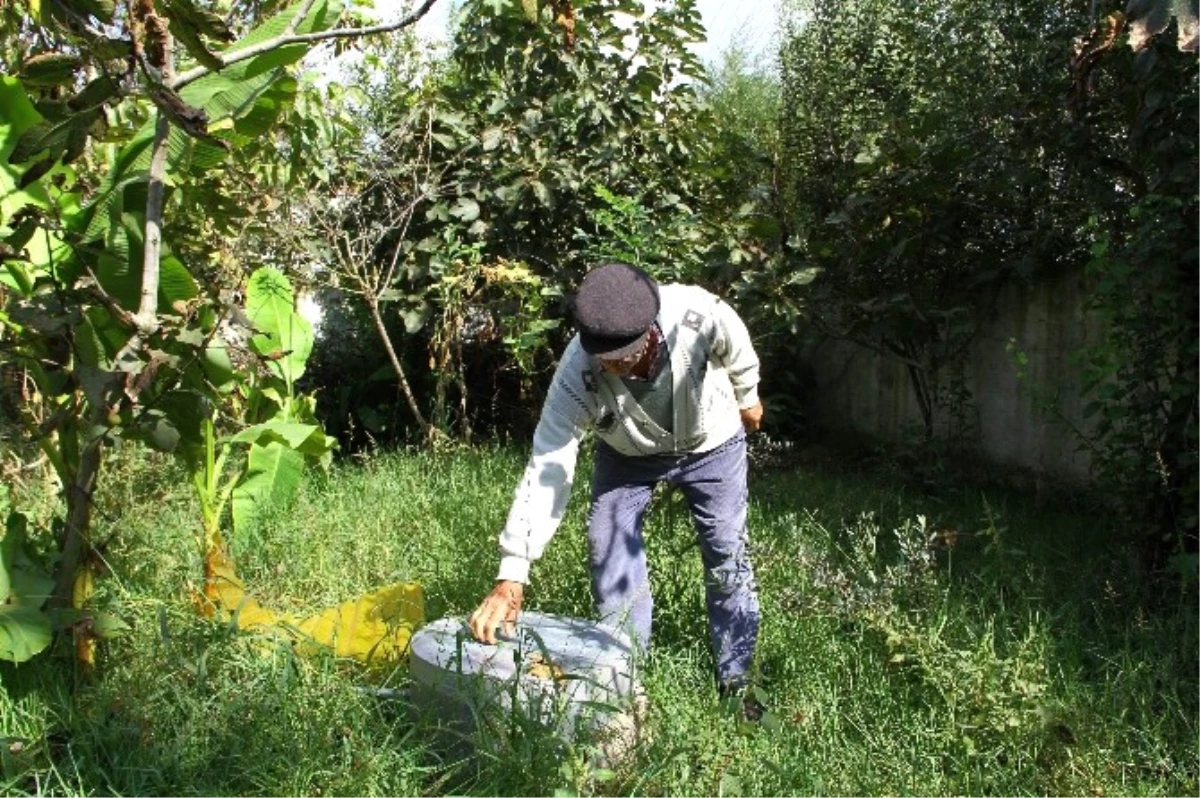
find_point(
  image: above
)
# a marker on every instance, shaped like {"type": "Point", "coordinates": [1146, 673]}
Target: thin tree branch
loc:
{"type": "Point", "coordinates": [228, 59]}
{"type": "Point", "coordinates": [401, 377]}
{"type": "Point", "coordinates": [301, 13]}
{"type": "Point", "coordinates": [147, 315]}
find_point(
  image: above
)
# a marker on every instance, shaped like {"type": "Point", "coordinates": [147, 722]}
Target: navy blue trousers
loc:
{"type": "Point", "coordinates": [714, 485]}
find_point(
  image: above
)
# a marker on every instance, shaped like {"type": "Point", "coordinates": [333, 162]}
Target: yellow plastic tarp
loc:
{"type": "Point", "coordinates": [375, 628]}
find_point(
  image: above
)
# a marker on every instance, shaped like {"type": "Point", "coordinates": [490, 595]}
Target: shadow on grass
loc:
{"type": "Point", "coordinates": [1015, 642]}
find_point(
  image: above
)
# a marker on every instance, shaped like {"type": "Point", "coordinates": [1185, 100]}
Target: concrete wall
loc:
{"type": "Point", "coordinates": [1004, 419]}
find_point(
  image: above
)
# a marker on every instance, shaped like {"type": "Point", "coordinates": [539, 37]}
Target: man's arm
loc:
{"type": "Point", "coordinates": [732, 349]}
{"type": "Point", "coordinates": [540, 499]}
{"type": "Point", "coordinates": [541, 496]}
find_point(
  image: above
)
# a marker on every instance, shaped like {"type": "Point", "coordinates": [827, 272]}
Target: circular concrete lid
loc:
{"type": "Point", "coordinates": [548, 647]}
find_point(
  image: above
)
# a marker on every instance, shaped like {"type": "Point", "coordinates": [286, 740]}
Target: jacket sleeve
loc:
{"type": "Point", "coordinates": [541, 496]}
{"type": "Point", "coordinates": [732, 349]}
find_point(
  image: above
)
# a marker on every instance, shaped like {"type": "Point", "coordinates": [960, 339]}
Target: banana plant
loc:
{"type": "Point", "coordinates": [283, 435]}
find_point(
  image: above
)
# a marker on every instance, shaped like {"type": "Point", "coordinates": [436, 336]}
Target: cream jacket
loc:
{"type": "Point", "coordinates": [715, 375]}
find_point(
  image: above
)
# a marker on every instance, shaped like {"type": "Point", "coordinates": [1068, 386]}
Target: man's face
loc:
{"type": "Point", "coordinates": [622, 366]}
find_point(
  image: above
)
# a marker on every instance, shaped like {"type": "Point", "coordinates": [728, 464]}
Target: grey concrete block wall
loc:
{"type": "Point", "coordinates": [1008, 420]}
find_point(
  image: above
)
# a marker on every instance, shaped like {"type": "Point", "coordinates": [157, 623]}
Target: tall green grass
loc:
{"type": "Point", "coordinates": [964, 643]}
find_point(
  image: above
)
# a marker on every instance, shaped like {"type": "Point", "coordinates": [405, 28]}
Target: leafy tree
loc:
{"type": "Point", "coordinates": [549, 129]}
{"type": "Point", "coordinates": [934, 152]}
{"type": "Point", "coordinates": [1138, 107]}
{"type": "Point", "coordinates": [356, 217]}
{"type": "Point", "coordinates": [752, 251]}
{"type": "Point", "coordinates": [355, 227]}
{"type": "Point", "coordinates": [927, 167]}
{"type": "Point", "coordinates": [111, 118]}
{"type": "Point", "coordinates": [541, 108]}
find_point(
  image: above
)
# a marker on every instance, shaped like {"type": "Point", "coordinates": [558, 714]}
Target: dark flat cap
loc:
{"type": "Point", "coordinates": [614, 308]}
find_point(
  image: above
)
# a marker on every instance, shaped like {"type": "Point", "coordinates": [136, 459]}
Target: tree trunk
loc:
{"type": "Point", "coordinates": [462, 392]}
{"type": "Point", "coordinates": [79, 521]}
{"type": "Point", "coordinates": [381, 328]}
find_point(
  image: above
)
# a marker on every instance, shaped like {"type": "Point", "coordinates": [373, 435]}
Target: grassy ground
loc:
{"type": "Point", "coordinates": [963, 642]}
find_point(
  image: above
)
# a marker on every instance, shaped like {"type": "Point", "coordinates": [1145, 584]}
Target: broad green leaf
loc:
{"type": "Point", "coordinates": [5, 581]}
{"type": "Point", "coordinates": [267, 107]}
{"type": "Point", "coordinates": [288, 432]}
{"type": "Point", "coordinates": [131, 167]}
{"type": "Point", "coordinates": [157, 431]}
{"type": "Point", "coordinates": [49, 69]}
{"type": "Point", "coordinates": [286, 339]}
{"type": "Point", "coordinates": [222, 95]}
{"type": "Point", "coordinates": [107, 626]}
{"type": "Point", "coordinates": [89, 345]}
{"type": "Point", "coordinates": [63, 140]}
{"type": "Point", "coordinates": [46, 139]}
{"type": "Point", "coordinates": [276, 59]}
{"type": "Point", "coordinates": [24, 632]}
{"type": "Point", "coordinates": [321, 16]}
{"type": "Point", "coordinates": [269, 485]}
{"type": "Point", "coordinates": [22, 581]}
{"type": "Point", "coordinates": [218, 368]}
{"type": "Point", "coordinates": [94, 94]}
{"type": "Point", "coordinates": [121, 275]}
{"type": "Point", "coordinates": [190, 37]}
{"type": "Point", "coordinates": [185, 411]}
{"type": "Point", "coordinates": [14, 533]}
{"type": "Point", "coordinates": [17, 115]}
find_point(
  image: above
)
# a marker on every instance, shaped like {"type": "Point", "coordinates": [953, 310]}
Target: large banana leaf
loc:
{"type": "Point", "coordinates": [131, 170]}
{"type": "Point", "coordinates": [270, 484]}
{"type": "Point", "coordinates": [321, 16]}
{"type": "Point", "coordinates": [308, 439]}
{"type": "Point", "coordinates": [284, 338]}
{"type": "Point", "coordinates": [25, 629]}
{"type": "Point", "coordinates": [119, 268]}
{"type": "Point", "coordinates": [17, 115]}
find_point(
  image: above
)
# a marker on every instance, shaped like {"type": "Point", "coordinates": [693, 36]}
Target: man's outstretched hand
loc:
{"type": "Point", "coordinates": [501, 606]}
{"type": "Point", "coordinates": [752, 417]}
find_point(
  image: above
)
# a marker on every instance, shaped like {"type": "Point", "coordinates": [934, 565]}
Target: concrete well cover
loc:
{"type": "Point", "coordinates": [568, 673]}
